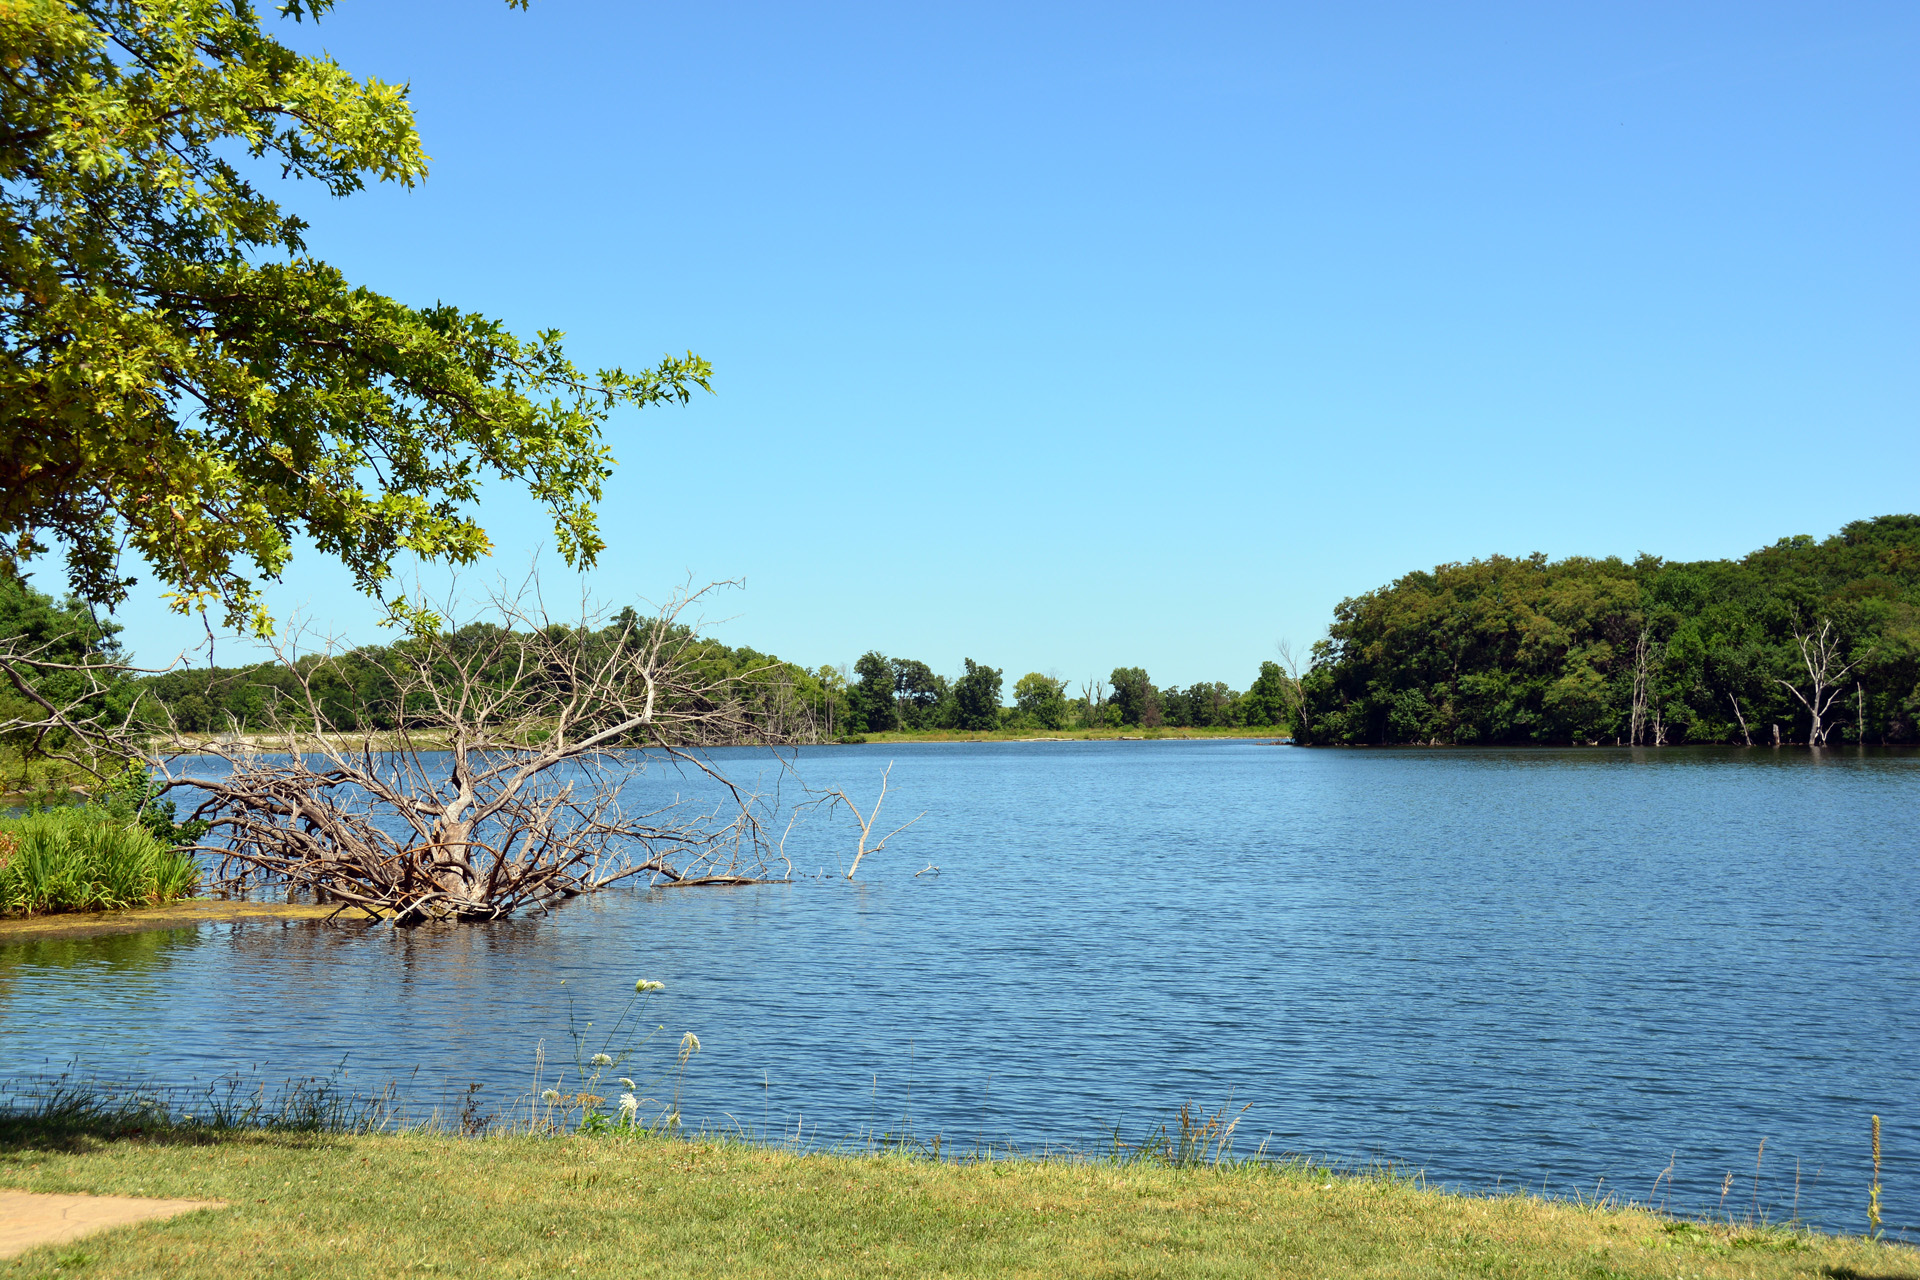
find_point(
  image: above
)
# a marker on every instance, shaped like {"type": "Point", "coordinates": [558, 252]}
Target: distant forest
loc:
{"type": "Point", "coordinates": [877, 695]}
{"type": "Point", "coordinates": [885, 695]}
{"type": "Point", "coordinates": [1802, 641]}
{"type": "Point", "coordinates": [902, 694]}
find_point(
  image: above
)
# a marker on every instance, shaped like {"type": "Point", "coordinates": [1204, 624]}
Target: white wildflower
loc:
{"type": "Point", "coordinates": [601, 1060]}
{"type": "Point", "coordinates": [648, 984]}
{"type": "Point", "coordinates": [626, 1084]}
{"type": "Point", "coordinates": [550, 1097]}
{"type": "Point", "coordinates": [628, 1105]}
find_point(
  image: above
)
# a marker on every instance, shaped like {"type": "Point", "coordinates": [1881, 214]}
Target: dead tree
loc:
{"type": "Point", "coordinates": [1296, 691]}
{"type": "Point", "coordinates": [1646, 664]}
{"type": "Point", "coordinates": [1820, 654]}
{"type": "Point", "coordinates": [835, 796]}
{"type": "Point", "coordinates": [1742, 719]}
{"type": "Point", "coordinates": [65, 711]}
{"type": "Point", "coordinates": [489, 770]}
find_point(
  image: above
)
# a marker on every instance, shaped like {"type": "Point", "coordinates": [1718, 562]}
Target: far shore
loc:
{"type": "Point", "coordinates": [1127, 733]}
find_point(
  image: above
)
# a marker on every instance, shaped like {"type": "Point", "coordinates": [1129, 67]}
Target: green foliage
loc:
{"type": "Point", "coordinates": [917, 693]}
{"type": "Point", "coordinates": [1204, 706]}
{"type": "Point", "coordinates": [1134, 696]}
{"type": "Point", "coordinates": [1270, 700]}
{"type": "Point", "coordinates": [133, 796]}
{"type": "Point", "coordinates": [181, 374]}
{"type": "Point", "coordinates": [872, 697]}
{"type": "Point", "coordinates": [1041, 701]}
{"type": "Point", "coordinates": [1531, 650]}
{"type": "Point", "coordinates": [356, 693]}
{"type": "Point", "coordinates": [86, 859]}
{"type": "Point", "coordinates": [976, 698]}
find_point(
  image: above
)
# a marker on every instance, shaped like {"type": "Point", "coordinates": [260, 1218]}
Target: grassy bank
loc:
{"type": "Point", "coordinates": [1267, 733]}
{"type": "Point", "coordinates": [84, 859]}
{"type": "Point", "coordinates": [388, 1205]}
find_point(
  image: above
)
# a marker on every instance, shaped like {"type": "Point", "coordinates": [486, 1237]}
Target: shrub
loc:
{"type": "Point", "coordinates": [85, 859]}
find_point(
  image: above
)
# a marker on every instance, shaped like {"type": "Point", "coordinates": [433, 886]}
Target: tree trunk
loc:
{"type": "Point", "coordinates": [1742, 719]}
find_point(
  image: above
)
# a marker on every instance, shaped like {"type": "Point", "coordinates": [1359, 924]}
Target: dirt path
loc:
{"type": "Point", "coordinates": [28, 1220]}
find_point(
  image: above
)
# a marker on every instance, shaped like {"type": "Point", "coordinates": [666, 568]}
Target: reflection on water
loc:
{"type": "Point", "coordinates": [1532, 966]}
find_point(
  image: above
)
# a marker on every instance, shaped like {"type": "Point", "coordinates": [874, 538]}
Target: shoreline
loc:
{"type": "Point", "coordinates": [174, 915]}
{"type": "Point", "coordinates": [1273, 734]}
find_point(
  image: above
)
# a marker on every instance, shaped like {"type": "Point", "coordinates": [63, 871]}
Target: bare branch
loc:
{"type": "Point", "coordinates": [485, 769]}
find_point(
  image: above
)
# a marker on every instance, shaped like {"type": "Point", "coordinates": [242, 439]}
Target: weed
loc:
{"type": "Point", "coordinates": [87, 859]}
{"type": "Point", "coordinates": [1873, 1191]}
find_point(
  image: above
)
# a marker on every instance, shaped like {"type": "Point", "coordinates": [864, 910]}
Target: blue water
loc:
{"type": "Point", "coordinates": [1551, 968]}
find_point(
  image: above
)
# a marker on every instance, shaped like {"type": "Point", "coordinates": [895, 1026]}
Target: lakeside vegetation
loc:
{"type": "Point", "coordinates": [193, 385]}
{"type": "Point", "coordinates": [1804, 641]}
{"type": "Point", "coordinates": [1108, 733]}
{"type": "Point", "coordinates": [1801, 642]}
{"type": "Point", "coordinates": [355, 691]}
{"type": "Point", "coordinates": [121, 849]}
{"type": "Point", "coordinates": [84, 859]}
{"type": "Point", "coordinates": [318, 1205]}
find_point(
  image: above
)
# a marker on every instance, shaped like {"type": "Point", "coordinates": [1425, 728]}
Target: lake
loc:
{"type": "Point", "coordinates": [1554, 968]}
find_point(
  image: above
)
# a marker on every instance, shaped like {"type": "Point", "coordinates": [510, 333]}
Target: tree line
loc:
{"type": "Point", "coordinates": [884, 695]}
{"type": "Point", "coordinates": [1805, 641]}
{"type": "Point", "coordinates": [876, 695]}
{"type": "Point", "coordinates": [354, 689]}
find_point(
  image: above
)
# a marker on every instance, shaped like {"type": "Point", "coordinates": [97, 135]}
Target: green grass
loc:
{"type": "Point", "coordinates": [432, 1205]}
{"type": "Point", "coordinates": [82, 859]}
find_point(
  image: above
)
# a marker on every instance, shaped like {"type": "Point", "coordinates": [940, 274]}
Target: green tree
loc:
{"type": "Point", "coordinates": [1269, 700]}
{"type": "Point", "coordinates": [1213, 705]}
{"type": "Point", "coordinates": [917, 693]}
{"type": "Point", "coordinates": [1134, 696]}
{"type": "Point", "coordinates": [182, 374]}
{"type": "Point", "coordinates": [976, 698]}
{"type": "Point", "coordinates": [872, 694]}
{"type": "Point", "coordinates": [1653, 651]}
{"type": "Point", "coordinates": [1041, 700]}
{"type": "Point", "coordinates": [835, 705]}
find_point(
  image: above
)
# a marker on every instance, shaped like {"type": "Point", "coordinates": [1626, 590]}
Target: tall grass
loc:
{"type": "Point", "coordinates": [85, 859]}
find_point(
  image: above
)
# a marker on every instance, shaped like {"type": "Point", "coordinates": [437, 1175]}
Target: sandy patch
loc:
{"type": "Point", "coordinates": [28, 1220]}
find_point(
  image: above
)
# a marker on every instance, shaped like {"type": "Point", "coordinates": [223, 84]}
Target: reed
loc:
{"type": "Point", "coordinates": [1873, 1191]}
{"type": "Point", "coordinates": [85, 859]}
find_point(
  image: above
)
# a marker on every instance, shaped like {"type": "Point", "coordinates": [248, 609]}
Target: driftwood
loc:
{"type": "Point", "coordinates": [834, 796]}
{"type": "Point", "coordinates": [498, 785]}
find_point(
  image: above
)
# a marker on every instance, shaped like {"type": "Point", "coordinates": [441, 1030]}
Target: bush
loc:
{"type": "Point", "coordinates": [85, 859]}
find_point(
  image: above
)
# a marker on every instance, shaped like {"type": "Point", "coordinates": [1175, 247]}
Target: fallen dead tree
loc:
{"type": "Point", "coordinates": [483, 770]}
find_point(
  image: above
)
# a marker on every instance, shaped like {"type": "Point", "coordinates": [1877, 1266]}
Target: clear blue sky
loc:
{"type": "Point", "coordinates": [1069, 337]}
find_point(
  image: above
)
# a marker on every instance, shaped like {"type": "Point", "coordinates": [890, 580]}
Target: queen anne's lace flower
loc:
{"type": "Point", "coordinates": [550, 1097]}
{"type": "Point", "coordinates": [601, 1060]}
